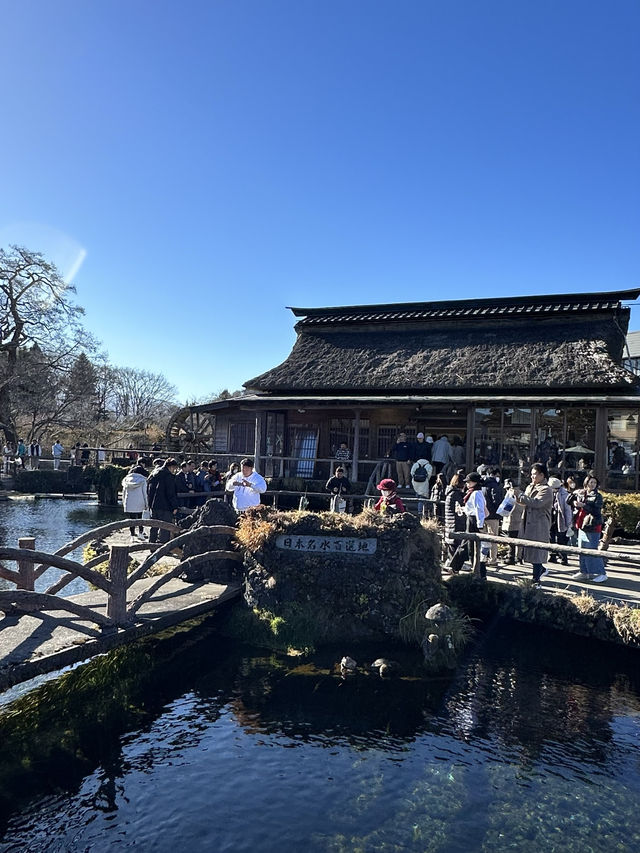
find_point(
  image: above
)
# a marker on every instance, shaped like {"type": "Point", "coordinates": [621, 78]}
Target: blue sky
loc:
{"type": "Point", "coordinates": [202, 164]}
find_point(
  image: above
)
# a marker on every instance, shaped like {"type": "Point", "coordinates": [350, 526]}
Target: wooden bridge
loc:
{"type": "Point", "coordinates": [43, 631]}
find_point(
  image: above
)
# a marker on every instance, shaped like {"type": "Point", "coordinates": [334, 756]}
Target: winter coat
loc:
{"type": "Point", "coordinates": [338, 486]}
{"type": "Point", "coordinates": [562, 518]}
{"type": "Point", "coordinates": [421, 489]}
{"type": "Point", "coordinates": [536, 520]}
{"type": "Point", "coordinates": [452, 521]}
{"type": "Point", "coordinates": [162, 492]}
{"type": "Point", "coordinates": [421, 450]}
{"type": "Point", "coordinates": [244, 497]}
{"type": "Point", "coordinates": [441, 451]}
{"type": "Point", "coordinates": [134, 493]}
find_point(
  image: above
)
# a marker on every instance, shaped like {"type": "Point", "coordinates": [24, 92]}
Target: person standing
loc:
{"type": "Point", "coordinates": [401, 452]}
{"type": "Point", "coordinates": [162, 498]}
{"type": "Point", "coordinates": [421, 471]}
{"type": "Point", "coordinates": [493, 491]}
{"type": "Point", "coordinates": [421, 449]}
{"type": "Point", "coordinates": [453, 517]}
{"type": "Point", "coordinates": [7, 455]}
{"type": "Point", "coordinates": [511, 522]}
{"type": "Point", "coordinates": [589, 526]}
{"type": "Point", "coordinates": [186, 484]}
{"type": "Point", "coordinates": [22, 453]}
{"type": "Point", "coordinates": [134, 496]}
{"type": "Point", "coordinates": [441, 453]}
{"type": "Point", "coordinates": [561, 520]}
{"type": "Point", "coordinates": [246, 486]}
{"type": "Point", "coordinates": [474, 508]}
{"type": "Point", "coordinates": [35, 452]}
{"type": "Point", "coordinates": [56, 451]}
{"type": "Point", "coordinates": [338, 486]}
{"type": "Point", "coordinates": [389, 503]}
{"type": "Point", "coordinates": [537, 500]}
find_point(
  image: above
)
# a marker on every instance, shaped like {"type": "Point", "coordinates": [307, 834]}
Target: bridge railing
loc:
{"type": "Point", "coordinates": [31, 565]}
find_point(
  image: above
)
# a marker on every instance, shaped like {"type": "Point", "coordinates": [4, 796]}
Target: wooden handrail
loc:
{"type": "Point", "coordinates": [175, 543]}
{"type": "Point", "coordinates": [56, 562]}
{"type": "Point", "coordinates": [27, 601]}
{"type": "Point", "coordinates": [545, 546]}
{"type": "Point", "coordinates": [189, 563]}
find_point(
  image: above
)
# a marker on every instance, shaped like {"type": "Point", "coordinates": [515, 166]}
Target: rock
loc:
{"type": "Point", "coordinates": [438, 613]}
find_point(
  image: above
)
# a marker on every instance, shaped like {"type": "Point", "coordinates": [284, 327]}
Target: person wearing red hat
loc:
{"type": "Point", "coordinates": [389, 503]}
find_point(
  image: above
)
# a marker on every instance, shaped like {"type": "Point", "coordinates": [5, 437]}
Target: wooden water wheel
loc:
{"type": "Point", "coordinates": [191, 432]}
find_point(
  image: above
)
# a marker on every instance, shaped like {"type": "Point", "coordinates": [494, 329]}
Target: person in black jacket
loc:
{"type": "Point", "coordinates": [163, 498]}
{"type": "Point", "coordinates": [493, 491]}
{"type": "Point", "coordinates": [186, 483]}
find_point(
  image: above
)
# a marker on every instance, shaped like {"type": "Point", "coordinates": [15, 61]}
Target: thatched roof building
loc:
{"type": "Point", "coordinates": [512, 380]}
{"type": "Point", "coordinates": [488, 345]}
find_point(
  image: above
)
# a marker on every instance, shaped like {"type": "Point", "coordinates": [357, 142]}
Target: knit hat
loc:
{"type": "Point", "coordinates": [387, 484]}
{"type": "Point", "coordinates": [554, 482]}
{"type": "Point", "coordinates": [420, 435]}
{"type": "Point", "coordinates": [429, 439]}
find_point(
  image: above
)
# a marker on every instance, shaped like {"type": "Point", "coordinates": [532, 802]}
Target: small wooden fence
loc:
{"type": "Point", "coordinates": [32, 564]}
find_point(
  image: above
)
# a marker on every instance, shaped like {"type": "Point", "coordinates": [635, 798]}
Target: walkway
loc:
{"type": "Point", "coordinates": [43, 642]}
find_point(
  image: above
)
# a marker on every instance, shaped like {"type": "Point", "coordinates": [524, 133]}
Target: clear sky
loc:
{"type": "Point", "coordinates": [198, 165]}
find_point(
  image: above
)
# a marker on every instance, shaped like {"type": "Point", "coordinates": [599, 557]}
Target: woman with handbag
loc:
{"type": "Point", "coordinates": [589, 526]}
{"type": "Point", "coordinates": [134, 496]}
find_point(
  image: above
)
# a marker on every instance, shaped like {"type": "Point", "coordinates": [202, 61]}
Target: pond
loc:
{"type": "Point", "coordinates": [53, 522]}
{"type": "Point", "coordinates": [190, 743]}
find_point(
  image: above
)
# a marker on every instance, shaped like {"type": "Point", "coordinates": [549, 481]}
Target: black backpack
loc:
{"type": "Point", "coordinates": [493, 494]}
{"type": "Point", "coordinates": [420, 475]}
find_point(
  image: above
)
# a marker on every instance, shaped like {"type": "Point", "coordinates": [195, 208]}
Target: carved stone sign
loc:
{"type": "Point", "coordinates": [328, 545]}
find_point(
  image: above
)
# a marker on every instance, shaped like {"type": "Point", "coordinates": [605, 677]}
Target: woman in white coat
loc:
{"type": "Point", "coordinates": [134, 496]}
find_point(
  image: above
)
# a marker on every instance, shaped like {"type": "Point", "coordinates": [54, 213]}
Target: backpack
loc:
{"type": "Point", "coordinates": [420, 475]}
{"type": "Point", "coordinates": [493, 495]}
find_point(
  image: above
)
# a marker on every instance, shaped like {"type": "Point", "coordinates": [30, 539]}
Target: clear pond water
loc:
{"type": "Point", "coordinates": [191, 743]}
{"type": "Point", "coordinates": [53, 522]}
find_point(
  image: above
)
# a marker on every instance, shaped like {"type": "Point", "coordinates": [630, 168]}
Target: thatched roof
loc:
{"type": "Point", "coordinates": [573, 346]}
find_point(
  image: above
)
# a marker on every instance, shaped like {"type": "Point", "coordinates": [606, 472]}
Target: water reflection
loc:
{"type": "Point", "coordinates": [191, 742]}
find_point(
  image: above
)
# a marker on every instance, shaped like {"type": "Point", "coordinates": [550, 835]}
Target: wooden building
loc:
{"type": "Point", "coordinates": [513, 380]}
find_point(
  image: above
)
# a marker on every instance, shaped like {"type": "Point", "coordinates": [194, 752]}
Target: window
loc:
{"type": "Point", "coordinates": [342, 429]}
{"type": "Point", "coordinates": [242, 437]}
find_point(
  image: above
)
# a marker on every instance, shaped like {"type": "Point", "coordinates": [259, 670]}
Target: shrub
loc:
{"type": "Point", "coordinates": [50, 482]}
{"type": "Point", "coordinates": [623, 509]}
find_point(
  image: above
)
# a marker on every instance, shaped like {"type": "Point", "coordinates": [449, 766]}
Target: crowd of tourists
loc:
{"type": "Point", "coordinates": [547, 511]}
{"type": "Point", "coordinates": [159, 489]}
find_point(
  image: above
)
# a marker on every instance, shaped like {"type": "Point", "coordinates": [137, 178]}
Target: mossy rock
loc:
{"type": "Point", "coordinates": [313, 597]}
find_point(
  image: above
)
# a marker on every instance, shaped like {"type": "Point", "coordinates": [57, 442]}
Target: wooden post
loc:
{"type": "Point", "coordinates": [25, 567]}
{"type": "Point", "coordinates": [600, 461]}
{"type": "Point", "coordinates": [258, 443]}
{"type": "Point", "coordinates": [117, 603]}
{"type": "Point", "coordinates": [471, 425]}
{"type": "Point", "coordinates": [356, 448]}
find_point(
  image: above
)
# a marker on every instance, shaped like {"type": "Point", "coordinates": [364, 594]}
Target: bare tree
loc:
{"type": "Point", "coordinates": [139, 397]}
{"type": "Point", "coordinates": [35, 309]}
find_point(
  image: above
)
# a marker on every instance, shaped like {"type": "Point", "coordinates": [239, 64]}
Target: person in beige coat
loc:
{"type": "Point", "coordinates": [537, 501]}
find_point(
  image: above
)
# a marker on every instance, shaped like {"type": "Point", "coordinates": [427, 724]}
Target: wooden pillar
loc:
{"type": "Point", "coordinates": [356, 447]}
{"type": "Point", "coordinates": [600, 460]}
{"type": "Point", "coordinates": [257, 452]}
{"type": "Point", "coordinates": [117, 602]}
{"type": "Point", "coordinates": [26, 568]}
{"type": "Point", "coordinates": [471, 425]}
